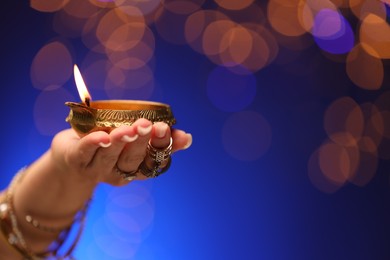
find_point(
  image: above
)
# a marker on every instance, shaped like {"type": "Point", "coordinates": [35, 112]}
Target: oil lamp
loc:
{"type": "Point", "coordinates": [105, 115]}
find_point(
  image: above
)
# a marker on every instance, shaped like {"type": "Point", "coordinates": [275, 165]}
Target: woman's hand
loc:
{"type": "Point", "coordinates": [99, 156]}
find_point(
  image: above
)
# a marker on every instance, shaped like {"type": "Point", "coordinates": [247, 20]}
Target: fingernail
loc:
{"type": "Point", "coordinates": [142, 131]}
{"type": "Point", "coordinates": [189, 142]}
{"type": "Point", "coordinates": [161, 130]}
{"type": "Point", "coordinates": [129, 139]}
{"type": "Point", "coordinates": [101, 144]}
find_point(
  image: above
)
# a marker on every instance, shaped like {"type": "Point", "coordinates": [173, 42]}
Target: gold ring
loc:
{"type": "Point", "coordinates": [128, 176]}
{"type": "Point", "coordinates": [158, 157]}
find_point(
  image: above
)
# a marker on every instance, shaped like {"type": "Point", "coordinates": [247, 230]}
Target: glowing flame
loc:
{"type": "Point", "coordinates": [81, 87]}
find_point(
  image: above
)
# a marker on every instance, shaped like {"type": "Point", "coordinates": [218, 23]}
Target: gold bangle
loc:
{"type": "Point", "coordinates": [36, 224]}
{"type": "Point", "coordinates": [10, 228]}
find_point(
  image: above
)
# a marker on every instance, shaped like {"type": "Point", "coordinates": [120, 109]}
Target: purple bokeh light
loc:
{"type": "Point", "coordinates": [332, 32]}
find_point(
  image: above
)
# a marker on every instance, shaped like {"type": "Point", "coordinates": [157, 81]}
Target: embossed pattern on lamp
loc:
{"type": "Point", "coordinates": [105, 115]}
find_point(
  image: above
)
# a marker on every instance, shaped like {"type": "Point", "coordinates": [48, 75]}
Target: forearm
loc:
{"type": "Point", "coordinates": [51, 196]}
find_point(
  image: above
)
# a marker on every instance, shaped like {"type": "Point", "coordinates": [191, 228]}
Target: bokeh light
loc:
{"type": "Point", "coordinates": [344, 122]}
{"type": "Point", "coordinates": [46, 70]}
{"type": "Point", "coordinates": [48, 6]}
{"type": "Point", "coordinates": [332, 32]}
{"type": "Point", "coordinates": [183, 7]}
{"type": "Point", "coordinates": [375, 36]}
{"type": "Point", "coordinates": [365, 70]}
{"type": "Point", "coordinates": [283, 17]}
{"type": "Point", "coordinates": [234, 5]}
{"type": "Point", "coordinates": [317, 178]}
{"type": "Point", "coordinates": [49, 105]}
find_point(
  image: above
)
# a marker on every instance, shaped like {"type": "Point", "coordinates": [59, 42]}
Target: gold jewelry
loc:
{"type": "Point", "coordinates": [35, 223]}
{"type": "Point", "coordinates": [128, 176]}
{"type": "Point", "coordinates": [158, 157]}
{"type": "Point", "coordinates": [9, 227]}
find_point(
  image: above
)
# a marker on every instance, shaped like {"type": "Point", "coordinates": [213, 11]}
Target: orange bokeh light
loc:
{"type": "Point", "coordinates": [365, 70]}
{"type": "Point", "coordinates": [375, 36]}
{"type": "Point", "coordinates": [234, 4]}
{"type": "Point", "coordinates": [344, 121]}
{"type": "Point", "coordinates": [48, 6]}
{"type": "Point", "coordinates": [284, 18]}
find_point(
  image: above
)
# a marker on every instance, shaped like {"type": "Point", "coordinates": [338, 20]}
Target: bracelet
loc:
{"type": "Point", "coordinates": [10, 228]}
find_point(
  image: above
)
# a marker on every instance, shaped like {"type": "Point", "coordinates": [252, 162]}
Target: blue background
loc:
{"type": "Point", "coordinates": [211, 205]}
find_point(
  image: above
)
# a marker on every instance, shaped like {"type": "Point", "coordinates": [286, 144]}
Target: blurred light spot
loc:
{"type": "Point", "coordinates": [110, 245]}
{"type": "Point", "coordinates": [253, 13]}
{"type": "Point", "coordinates": [195, 25]}
{"type": "Point", "coordinates": [213, 35]}
{"type": "Point", "coordinates": [234, 4]}
{"type": "Point", "coordinates": [48, 6]}
{"type": "Point", "coordinates": [261, 51]}
{"type": "Point", "coordinates": [136, 57]}
{"type": "Point", "coordinates": [332, 32]}
{"type": "Point", "coordinates": [81, 9]}
{"type": "Point", "coordinates": [121, 29]}
{"type": "Point", "coordinates": [52, 65]}
{"type": "Point", "coordinates": [89, 35]}
{"type": "Point", "coordinates": [146, 7]}
{"type": "Point", "coordinates": [130, 197]}
{"type": "Point", "coordinates": [283, 17]}
{"type": "Point", "coordinates": [308, 10]}
{"type": "Point", "coordinates": [229, 91]}
{"type": "Point", "coordinates": [363, 69]}
{"type": "Point", "coordinates": [368, 163]}
{"type": "Point", "coordinates": [297, 44]}
{"type": "Point", "coordinates": [340, 3]}
{"type": "Point", "coordinates": [238, 41]}
{"type": "Point", "coordinates": [69, 26]}
{"type": "Point", "coordinates": [125, 224]}
{"type": "Point", "coordinates": [142, 216]}
{"type": "Point", "coordinates": [344, 121]}
{"type": "Point", "coordinates": [95, 73]}
{"type": "Point", "coordinates": [103, 3]}
{"type": "Point", "coordinates": [374, 126]}
{"type": "Point", "coordinates": [317, 177]}
{"type": "Point", "coordinates": [257, 59]}
{"type": "Point", "coordinates": [50, 111]}
{"type": "Point", "coordinates": [375, 36]}
{"type": "Point", "coordinates": [334, 162]}
{"type": "Point", "coordinates": [362, 8]}
{"type": "Point", "coordinates": [120, 84]}
{"type": "Point", "coordinates": [183, 6]}
{"type": "Point", "coordinates": [246, 135]}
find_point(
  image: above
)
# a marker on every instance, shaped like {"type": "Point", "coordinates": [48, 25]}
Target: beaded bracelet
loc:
{"type": "Point", "coordinates": [10, 228]}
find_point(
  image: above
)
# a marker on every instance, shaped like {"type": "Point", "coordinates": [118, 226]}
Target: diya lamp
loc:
{"type": "Point", "coordinates": [105, 115]}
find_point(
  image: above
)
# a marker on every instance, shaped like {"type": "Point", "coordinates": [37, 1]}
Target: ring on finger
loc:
{"type": "Point", "coordinates": [128, 176]}
{"type": "Point", "coordinates": [158, 158]}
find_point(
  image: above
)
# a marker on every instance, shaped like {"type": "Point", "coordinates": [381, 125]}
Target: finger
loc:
{"type": "Point", "coordinates": [161, 135]}
{"type": "Point", "coordinates": [133, 153]}
{"type": "Point", "coordinates": [74, 154]}
{"type": "Point", "coordinates": [106, 157]}
{"type": "Point", "coordinates": [158, 153]}
{"type": "Point", "coordinates": [181, 140]}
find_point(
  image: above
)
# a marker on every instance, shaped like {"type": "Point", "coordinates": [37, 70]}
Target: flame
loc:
{"type": "Point", "coordinates": [81, 87]}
